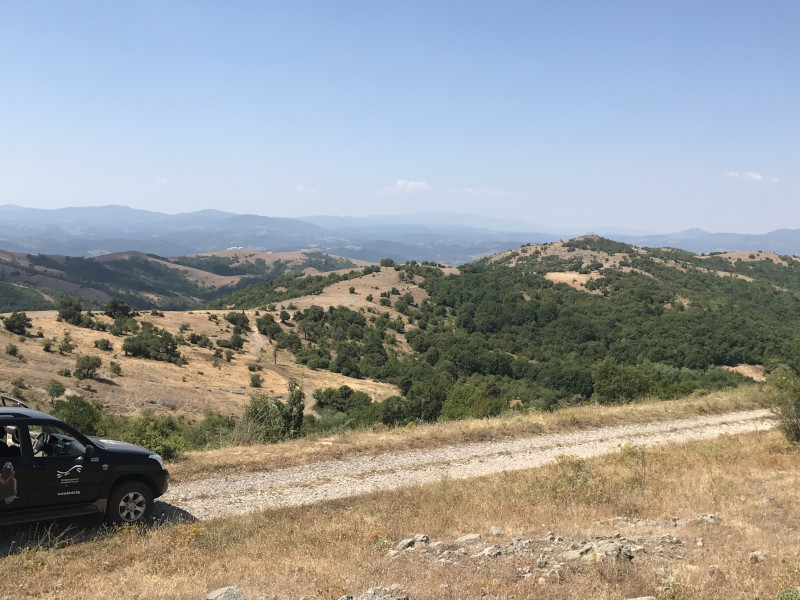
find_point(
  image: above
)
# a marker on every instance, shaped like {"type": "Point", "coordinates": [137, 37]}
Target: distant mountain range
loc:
{"type": "Point", "coordinates": [440, 237]}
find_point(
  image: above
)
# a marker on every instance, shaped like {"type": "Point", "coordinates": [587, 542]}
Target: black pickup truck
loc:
{"type": "Point", "coordinates": [49, 470]}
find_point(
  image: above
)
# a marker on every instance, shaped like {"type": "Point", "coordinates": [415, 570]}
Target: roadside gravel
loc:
{"type": "Point", "coordinates": [239, 494]}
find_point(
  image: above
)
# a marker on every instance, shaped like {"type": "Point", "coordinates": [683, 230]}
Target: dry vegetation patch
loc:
{"type": "Point", "coordinates": [649, 499]}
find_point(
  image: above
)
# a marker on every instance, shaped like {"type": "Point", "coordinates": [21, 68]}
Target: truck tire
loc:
{"type": "Point", "coordinates": [130, 502]}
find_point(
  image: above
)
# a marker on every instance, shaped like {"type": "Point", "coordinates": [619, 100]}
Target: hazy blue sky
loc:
{"type": "Point", "coordinates": [655, 116]}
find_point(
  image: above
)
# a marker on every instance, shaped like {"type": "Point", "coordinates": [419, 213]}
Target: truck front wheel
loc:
{"type": "Point", "coordinates": [130, 502]}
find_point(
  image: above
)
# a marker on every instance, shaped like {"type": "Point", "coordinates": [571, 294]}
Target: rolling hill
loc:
{"type": "Point", "coordinates": [35, 282]}
{"type": "Point", "coordinates": [541, 326]}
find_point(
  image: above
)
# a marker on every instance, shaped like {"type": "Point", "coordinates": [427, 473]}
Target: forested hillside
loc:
{"type": "Point", "coordinates": [551, 324]}
{"type": "Point", "coordinates": [36, 281]}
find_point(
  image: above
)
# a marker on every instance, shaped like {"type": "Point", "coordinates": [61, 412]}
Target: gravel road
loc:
{"type": "Point", "coordinates": [328, 480]}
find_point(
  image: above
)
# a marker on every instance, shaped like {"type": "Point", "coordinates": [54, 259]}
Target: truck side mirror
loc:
{"type": "Point", "coordinates": [89, 451]}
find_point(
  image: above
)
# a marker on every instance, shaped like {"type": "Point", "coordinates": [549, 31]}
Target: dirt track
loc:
{"type": "Point", "coordinates": [353, 477]}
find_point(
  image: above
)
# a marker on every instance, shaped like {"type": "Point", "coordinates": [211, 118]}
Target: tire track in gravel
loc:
{"type": "Point", "coordinates": [294, 486]}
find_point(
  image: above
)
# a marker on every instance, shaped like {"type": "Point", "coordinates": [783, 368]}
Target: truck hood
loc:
{"type": "Point", "coordinates": [122, 447]}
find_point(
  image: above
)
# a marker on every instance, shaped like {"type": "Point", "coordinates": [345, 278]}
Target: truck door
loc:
{"type": "Point", "coordinates": [15, 470]}
{"type": "Point", "coordinates": [61, 471]}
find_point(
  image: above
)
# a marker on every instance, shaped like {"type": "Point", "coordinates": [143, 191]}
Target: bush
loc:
{"type": "Point", "coordinates": [256, 380]}
{"type": "Point", "coordinates": [86, 366]}
{"type": "Point", "coordinates": [785, 387]}
{"type": "Point", "coordinates": [123, 325]}
{"type": "Point", "coordinates": [270, 420]}
{"type": "Point", "coordinates": [238, 319]}
{"type": "Point", "coordinates": [64, 373]}
{"type": "Point", "coordinates": [12, 350]}
{"type": "Point", "coordinates": [103, 344]}
{"type": "Point", "coordinates": [153, 343]}
{"type": "Point", "coordinates": [18, 323]}
{"type": "Point", "coordinates": [116, 309]}
{"type": "Point", "coordinates": [69, 310]}
{"type": "Point", "coordinates": [76, 411]}
{"type": "Point", "coordinates": [115, 369]}
{"type": "Point", "coordinates": [159, 433]}
{"type": "Point", "coordinates": [66, 346]}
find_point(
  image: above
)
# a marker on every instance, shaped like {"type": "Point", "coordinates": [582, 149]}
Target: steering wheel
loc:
{"type": "Point", "coordinates": [41, 443]}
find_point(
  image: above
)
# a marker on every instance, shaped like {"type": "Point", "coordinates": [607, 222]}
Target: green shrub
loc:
{"type": "Point", "coordinates": [159, 433]}
{"type": "Point", "coordinates": [103, 344]}
{"type": "Point", "coordinates": [55, 389]}
{"type": "Point", "coordinates": [153, 343]}
{"type": "Point", "coordinates": [86, 366]}
{"type": "Point", "coordinates": [785, 387]}
{"type": "Point", "coordinates": [78, 412]}
{"type": "Point", "coordinates": [17, 322]}
{"type": "Point", "coordinates": [270, 420]}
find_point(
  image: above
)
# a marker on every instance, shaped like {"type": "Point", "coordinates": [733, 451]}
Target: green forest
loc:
{"type": "Point", "coordinates": [661, 323]}
{"type": "Point", "coordinates": [498, 334]}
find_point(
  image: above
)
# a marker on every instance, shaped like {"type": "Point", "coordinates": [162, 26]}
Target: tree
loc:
{"type": "Point", "coordinates": [55, 389]}
{"type": "Point", "coordinates": [18, 323]}
{"type": "Point", "coordinates": [284, 316]}
{"type": "Point", "coordinates": [66, 346]}
{"type": "Point", "coordinates": [69, 310]}
{"type": "Point", "coordinates": [116, 308]}
{"type": "Point", "coordinates": [86, 366]}
{"type": "Point", "coordinates": [238, 319]}
{"type": "Point", "coordinates": [79, 413]}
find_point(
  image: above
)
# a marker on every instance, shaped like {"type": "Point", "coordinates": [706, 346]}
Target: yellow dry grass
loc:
{"type": "Point", "coordinates": [236, 460]}
{"type": "Point", "coordinates": [571, 278]}
{"type": "Point", "coordinates": [204, 384]}
{"type": "Point", "coordinates": [745, 256]}
{"type": "Point", "coordinates": [754, 372]}
{"type": "Point", "coordinates": [335, 548]}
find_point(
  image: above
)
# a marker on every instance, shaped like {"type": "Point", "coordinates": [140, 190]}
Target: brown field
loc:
{"type": "Point", "coordinates": [749, 484]}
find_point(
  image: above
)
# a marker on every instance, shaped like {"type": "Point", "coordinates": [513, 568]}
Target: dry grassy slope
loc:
{"type": "Point", "coordinates": [205, 383]}
{"type": "Point", "coordinates": [612, 260]}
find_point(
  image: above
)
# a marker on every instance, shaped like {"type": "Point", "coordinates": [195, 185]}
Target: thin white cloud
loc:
{"type": "Point", "coordinates": [774, 180]}
{"type": "Point", "coordinates": [405, 186]}
{"type": "Point", "coordinates": [301, 189]}
{"type": "Point", "coordinates": [744, 175]}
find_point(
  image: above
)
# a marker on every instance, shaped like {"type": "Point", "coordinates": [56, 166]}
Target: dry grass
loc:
{"type": "Point", "coordinates": [235, 460]}
{"type": "Point", "coordinates": [205, 384]}
{"type": "Point", "coordinates": [329, 549]}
